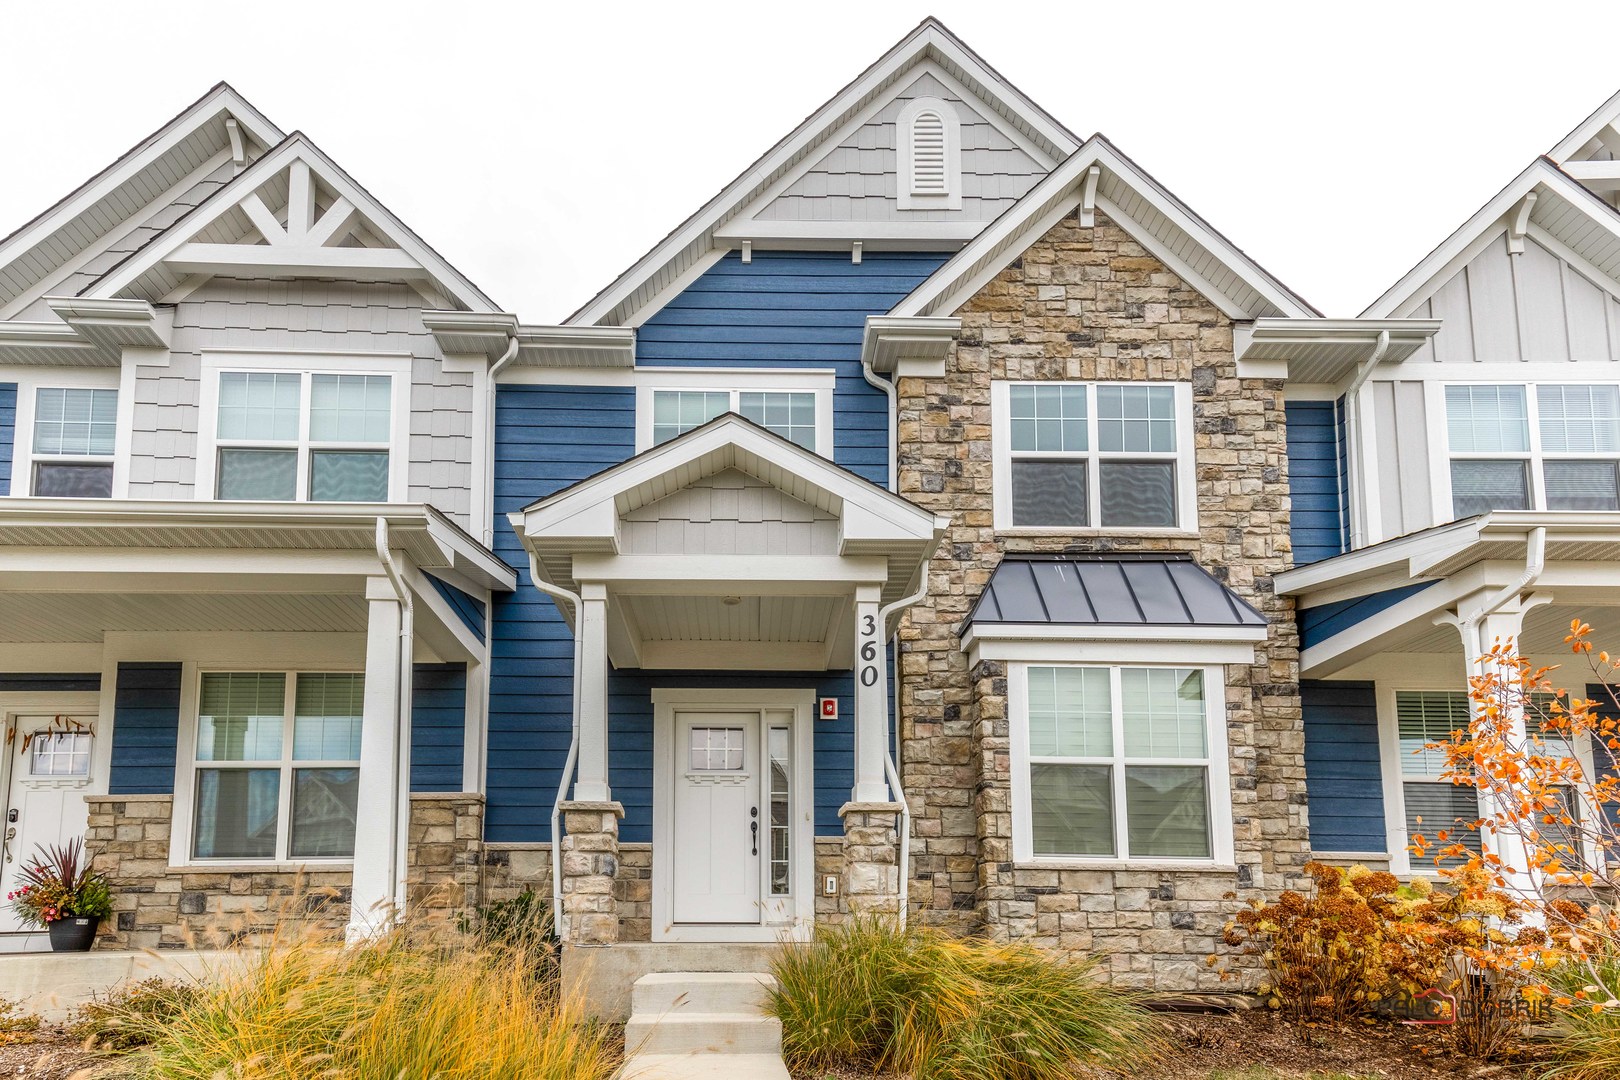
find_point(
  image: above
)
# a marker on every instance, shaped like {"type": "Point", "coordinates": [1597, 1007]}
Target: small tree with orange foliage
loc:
{"type": "Point", "coordinates": [1552, 824]}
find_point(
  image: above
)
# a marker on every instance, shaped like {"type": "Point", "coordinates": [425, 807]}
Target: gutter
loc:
{"type": "Point", "coordinates": [558, 926]}
{"type": "Point", "coordinates": [399, 857]}
{"type": "Point", "coordinates": [1352, 424]}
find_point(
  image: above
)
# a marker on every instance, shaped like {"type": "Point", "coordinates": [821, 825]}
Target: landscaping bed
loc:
{"type": "Point", "coordinates": [52, 1055]}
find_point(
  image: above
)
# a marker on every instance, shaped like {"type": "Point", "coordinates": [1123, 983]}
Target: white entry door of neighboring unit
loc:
{"type": "Point", "coordinates": [718, 826]}
{"type": "Point", "coordinates": [50, 772]}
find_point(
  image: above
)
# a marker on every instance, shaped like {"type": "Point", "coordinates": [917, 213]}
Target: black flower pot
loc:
{"type": "Point", "coordinates": [73, 934]}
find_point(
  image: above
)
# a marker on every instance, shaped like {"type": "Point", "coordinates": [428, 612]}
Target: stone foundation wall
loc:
{"type": "Point", "coordinates": [1091, 304]}
{"type": "Point", "coordinates": [159, 906]}
{"type": "Point", "coordinates": [511, 868]}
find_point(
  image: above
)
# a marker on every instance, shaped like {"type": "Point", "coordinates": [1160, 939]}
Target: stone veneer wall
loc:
{"type": "Point", "coordinates": [511, 868]}
{"type": "Point", "coordinates": [1092, 304]}
{"type": "Point", "coordinates": [158, 906]}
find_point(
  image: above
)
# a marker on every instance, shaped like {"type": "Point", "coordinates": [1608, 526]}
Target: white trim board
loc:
{"type": "Point", "coordinates": [29, 382]}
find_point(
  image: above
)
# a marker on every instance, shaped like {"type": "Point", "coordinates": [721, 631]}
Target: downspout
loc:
{"type": "Point", "coordinates": [489, 435]}
{"type": "Point", "coordinates": [399, 858]}
{"type": "Point", "coordinates": [893, 395]}
{"type": "Point", "coordinates": [1352, 411]}
{"type": "Point", "coordinates": [890, 771]}
{"type": "Point", "coordinates": [556, 593]}
{"type": "Point", "coordinates": [1535, 561]}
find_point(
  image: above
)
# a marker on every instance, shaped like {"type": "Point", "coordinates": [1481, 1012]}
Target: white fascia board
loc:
{"type": "Point", "coordinates": [914, 345]}
{"type": "Point", "coordinates": [1081, 650]}
{"type": "Point", "coordinates": [697, 230]}
{"type": "Point", "coordinates": [445, 633]}
{"type": "Point", "coordinates": [946, 235]}
{"type": "Point", "coordinates": [571, 346]}
{"type": "Point", "coordinates": [710, 444]}
{"type": "Point", "coordinates": [221, 98]}
{"type": "Point", "coordinates": [1049, 200]}
{"type": "Point", "coordinates": [472, 333]}
{"type": "Point", "coordinates": [731, 575]}
{"type": "Point", "coordinates": [296, 147]}
{"type": "Point", "coordinates": [1586, 130]}
{"type": "Point", "coordinates": [1109, 632]}
{"type": "Point", "coordinates": [1419, 283]}
{"type": "Point", "coordinates": [1372, 563]}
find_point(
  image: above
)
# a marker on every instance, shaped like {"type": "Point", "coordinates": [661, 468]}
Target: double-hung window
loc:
{"type": "Point", "coordinates": [789, 413]}
{"type": "Point", "coordinates": [1433, 803]}
{"type": "Point", "coordinates": [74, 434]}
{"type": "Point", "coordinates": [1552, 446]}
{"type": "Point", "coordinates": [276, 772]}
{"type": "Point", "coordinates": [284, 436]}
{"type": "Point", "coordinates": [1092, 455]}
{"type": "Point", "coordinates": [1115, 763]}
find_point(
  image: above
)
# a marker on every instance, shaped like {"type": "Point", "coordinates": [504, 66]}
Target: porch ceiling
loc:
{"type": "Point", "coordinates": [54, 618]}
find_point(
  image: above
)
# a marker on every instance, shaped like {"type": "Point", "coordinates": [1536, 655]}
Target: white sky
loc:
{"type": "Point", "coordinates": [542, 148]}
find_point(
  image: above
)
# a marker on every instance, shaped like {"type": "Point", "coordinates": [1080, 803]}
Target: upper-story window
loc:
{"type": "Point", "coordinates": [930, 156]}
{"type": "Point", "coordinates": [305, 436]}
{"type": "Point", "coordinates": [1092, 456]}
{"type": "Point", "coordinates": [75, 430]}
{"type": "Point", "coordinates": [1551, 446]}
{"type": "Point", "coordinates": [795, 405]}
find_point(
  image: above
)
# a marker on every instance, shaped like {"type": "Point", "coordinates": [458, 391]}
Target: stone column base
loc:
{"type": "Point", "coordinates": [590, 860]}
{"type": "Point", "coordinates": [872, 857]}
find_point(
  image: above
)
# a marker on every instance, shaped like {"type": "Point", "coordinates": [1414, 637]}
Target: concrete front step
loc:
{"type": "Point", "coordinates": [700, 992]}
{"type": "Point", "coordinates": [704, 1033]}
{"type": "Point", "coordinates": [705, 1067]}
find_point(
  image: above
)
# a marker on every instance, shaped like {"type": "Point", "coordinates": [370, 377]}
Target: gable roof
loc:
{"type": "Point", "coordinates": [1136, 202]}
{"type": "Point", "coordinates": [1578, 223]}
{"type": "Point", "coordinates": [1603, 125]}
{"type": "Point", "coordinates": [36, 249]}
{"type": "Point", "coordinates": [689, 242]}
{"type": "Point", "coordinates": [149, 274]}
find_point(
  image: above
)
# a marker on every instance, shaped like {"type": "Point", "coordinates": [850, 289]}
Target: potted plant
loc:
{"type": "Point", "coordinates": [61, 891]}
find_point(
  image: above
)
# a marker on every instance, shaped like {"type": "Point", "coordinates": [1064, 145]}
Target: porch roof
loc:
{"type": "Point", "coordinates": [1126, 589]}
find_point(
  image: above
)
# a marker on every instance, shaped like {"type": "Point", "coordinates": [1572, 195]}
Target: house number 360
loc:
{"type": "Point", "coordinates": [869, 650]}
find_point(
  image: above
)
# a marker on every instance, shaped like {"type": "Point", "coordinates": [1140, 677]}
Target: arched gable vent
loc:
{"type": "Point", "coordinates": [930, 156]}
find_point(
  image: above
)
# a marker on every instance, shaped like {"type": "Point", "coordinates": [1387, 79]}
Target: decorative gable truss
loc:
{"type": "Point", "coordinates": [293, 213]}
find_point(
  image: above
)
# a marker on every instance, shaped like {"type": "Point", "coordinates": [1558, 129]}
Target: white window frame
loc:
{"type": "Point", "coordinates": [306, 365]}
{"type": "Point", "coordinates": [738, 381]}
{"type": "Point", "coordinates": [181, 838]}
{"type": "Point", "coordinates": [32, 380]}
{"type": "Point", "coordinates": [908, 197]}
{"type": "Point", "coordinates": [1394, 779]}
{"type": "Point", "coordinates": [1185, 459]}
{"type": "Point", "coordinates": [1217, 764]}
{"type": "Point", "coordinates": [1441, 455]}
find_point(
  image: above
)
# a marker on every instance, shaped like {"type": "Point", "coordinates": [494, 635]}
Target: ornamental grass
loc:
{"type": "Point", "coordinates": [402, 1006]}
{"type": "Point", "coordinates": [932, 1006]}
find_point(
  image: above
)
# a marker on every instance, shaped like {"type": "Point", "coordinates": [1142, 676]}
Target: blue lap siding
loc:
{"type": "Point", "coordinates": [438, 726]}
{"type": "Point", "coordinates": [782, 309]}
{"type": "Point", "coordinates": [1343, 778]}
{"type": "Point", "coordinates": [1317, 624]}
{"type": "Point", "coordinates": [8, 433]}
{"type": "Point", "coordinates": [1316, 485]}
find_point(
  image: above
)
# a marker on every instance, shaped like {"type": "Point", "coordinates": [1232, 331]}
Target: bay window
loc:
{"type": "Point", "coordinates": [1116, 763]}
{"type": "Point", "coordinates": [1092, 455]}
{"type": "Point", "coordinates": [276, 765]}
{"type": "Point", "coordinates": [1552, 446]}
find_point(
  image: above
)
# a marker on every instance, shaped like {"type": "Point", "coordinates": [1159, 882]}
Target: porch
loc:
{"type": "Point", "coordinates": [745, 588]}
{"type": "Point", "coordinates": [1390, 636]}
{"type": "Point", "coordinates": [247, 675]}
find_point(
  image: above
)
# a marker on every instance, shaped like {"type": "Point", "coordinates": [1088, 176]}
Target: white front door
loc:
{"type": "Point", "coordinates": [717, 817]}
{"type": "Point", "coordinates": [49, 765]}
{"type": "Point", "coordinates": [733, 828]}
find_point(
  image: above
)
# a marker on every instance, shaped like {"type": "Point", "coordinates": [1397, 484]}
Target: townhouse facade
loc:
{"type": "Point", "coordinates": [945, 519]}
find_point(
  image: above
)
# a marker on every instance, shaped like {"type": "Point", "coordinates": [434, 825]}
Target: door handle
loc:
{"type": "Point", "coordinates": [11, 834]}
{"type": "Point", "coordinates": [753, 828]}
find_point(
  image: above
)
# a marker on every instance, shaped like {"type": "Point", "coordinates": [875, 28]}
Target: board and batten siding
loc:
{"type": "Point", "coordinates": [1532, 307]}
{"type": "Point", "coordinates": [794, 309]}
{"type": "Point", "coordinates": [309, 317]}
{"type": "Point", "coordinates": [1316, 482]}
{"type": "Point", "coordinates": [1401, 444]}
{"type": "Point", "coordinates": [1343, 778]}
{"type": "Point", "coordinates": [8, 433]}
{"type": "Point", "coordinates": [729, 513]}
{"type": "Point", "coordinates": [858, 179]}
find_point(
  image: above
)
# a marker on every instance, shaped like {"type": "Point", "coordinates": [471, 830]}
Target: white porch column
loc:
{"type": "Point", "coordinates": [1504, 625]}
{"type": "Point", "coordinates": [591, 779]}
{"type": "Point", "coordinates": [871, 705]}
{"type": "Point", "coordinates": [378, 871]}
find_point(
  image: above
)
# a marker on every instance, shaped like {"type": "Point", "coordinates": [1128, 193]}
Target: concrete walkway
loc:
{"type": "Point", "coordinates": [702, 1025]}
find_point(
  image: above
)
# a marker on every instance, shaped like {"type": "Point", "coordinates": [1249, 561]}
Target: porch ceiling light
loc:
{"type": "Point", "coordinates": [731, 601]}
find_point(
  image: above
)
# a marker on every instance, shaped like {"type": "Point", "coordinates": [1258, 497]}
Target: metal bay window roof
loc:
{"type": "Point", "coordinates": [1118, 589]}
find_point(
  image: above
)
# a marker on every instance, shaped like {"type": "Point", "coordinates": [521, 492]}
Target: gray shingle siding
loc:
{"type": "Point", "coordinates": [307, 316]}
